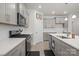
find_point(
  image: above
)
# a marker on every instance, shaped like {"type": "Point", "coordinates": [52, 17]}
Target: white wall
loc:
{"type": "Point", "coordinates": [4, 30]}
{"type": "Point", "coordinates": [38, 29]}
{"type": "Point", "coordinates": [70, 23]}
{"type": "Point", "coordinates": [75, 26]}
{"type": "Point", "coordinates": [35, 26]}
{"type": "Point", "coordinates": [30, 27]}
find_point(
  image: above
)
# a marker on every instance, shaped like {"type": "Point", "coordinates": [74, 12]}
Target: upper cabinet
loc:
{"type": "Point", "coordinates": [49, 22]}
{"type": "Point", "coordinates": [60, 20]}
{"type": "Point", "coordinates": [8, 13]}
{"type": "Point", "coordinates": [2, 13]}
{"type": "Point", "coordinates": [11, 13]}
{"type": "Point", "coordinates": [21, 9]}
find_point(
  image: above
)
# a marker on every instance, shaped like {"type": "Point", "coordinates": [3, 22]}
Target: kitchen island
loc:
{"type": "Point", "coordinates": [64, 46]}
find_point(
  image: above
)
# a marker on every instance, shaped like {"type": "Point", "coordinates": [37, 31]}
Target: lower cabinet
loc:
{"type": "Point", "coordinates": [18, 50]}
{"type": "Point", "coordinates": [63, 49]}
{"type": "Point", "coordinates": [22, 49]}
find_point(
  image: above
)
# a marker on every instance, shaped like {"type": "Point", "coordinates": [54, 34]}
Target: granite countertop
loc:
{"type": "Point", "coordinates": [74, 42]}
{"type": "Point", "coordinates": [6, 45]}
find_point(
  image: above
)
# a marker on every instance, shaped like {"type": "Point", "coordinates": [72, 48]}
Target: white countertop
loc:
{"type": "Point", "coordinates": [7, 45]}
{"type": "Point", "coordinates": [72, 42]}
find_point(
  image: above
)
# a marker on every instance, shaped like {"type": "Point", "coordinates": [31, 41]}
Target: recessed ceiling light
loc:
{"type": "Point", "coordinates": [53, 12]}
{"type": "Point", "coordinates": [65, 12]}
{"type": "Point", "coordinates": [65, 19]}
{"type": "Point", "coordinates": [39, 6]}
{"type": "Point", "coordinates": [74, 16]}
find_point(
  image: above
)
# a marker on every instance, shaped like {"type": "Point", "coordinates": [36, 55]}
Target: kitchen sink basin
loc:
{"type": "Point", "coordinates": [63, 37]}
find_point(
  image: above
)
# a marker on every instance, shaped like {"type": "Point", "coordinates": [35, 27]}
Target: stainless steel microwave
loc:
{"type": "Point", "coordinates": [21, 20]}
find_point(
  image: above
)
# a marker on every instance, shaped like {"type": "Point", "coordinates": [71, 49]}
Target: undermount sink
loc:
{"type": "Point", "coordinates": [63, 37]}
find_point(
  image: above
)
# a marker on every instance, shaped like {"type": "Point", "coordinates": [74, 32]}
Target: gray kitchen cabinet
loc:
{"type": "Point", "coordinates": [18, 50]}
{"type": "Point", "coordinates": [11, 13]}
{"type": "Point", "coordinates": [2, 13]}
{"type": "Point", "coordinates": [57, 49]}
{"type": "Point", "coordinates": [49, 22]}
{"type": "Point", "coordinates": [14, 52]}
{"type": "Point", "coordinates": [22, 48]}
{"type": "Point", "coordinates": [8, 13]}
{"type": "Point", "coordinates": [68, 50]}
{"type": "Point", "coordinates": [60, 20]}
{"type": "Point", "coordinates": [63, 49]}
{"type": "Point", "coordinates": [22, 9]}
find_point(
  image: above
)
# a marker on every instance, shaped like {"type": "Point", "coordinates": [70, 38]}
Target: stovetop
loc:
{"type": "Point", "coordinates": [21, 36]}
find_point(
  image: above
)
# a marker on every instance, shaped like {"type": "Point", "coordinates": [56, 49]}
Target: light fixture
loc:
{"type": "Point", "coordinates": [65, 19]}
{"type": "Point", "coordinates": [39, 6]}
{"type": "Point", "coordinates": [53, 12]}
{"type": "Point", "coordinates": [74, 16]}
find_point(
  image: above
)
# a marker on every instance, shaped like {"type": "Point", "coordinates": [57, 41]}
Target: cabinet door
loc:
{"type": "Point", "coordinates": [14, 52]}
{"type": "Point", "coordinates": [60, 20]}
{"type": "Point", "coordinates": [18, 51]}
{"type": "Point", "coordinates": [11, 13]}
{"type": "Point", "coordinates": [22, 48]}
{"type": "Point", "coordinates": [22, 10]}
{"type": "Point", "coordinates": [21, 7]}
{"type": "Point", "coordinates": [2, 12]}
{"type": "Point", "coordinates": [58, 47]}
{"type": "Point", "coordinates": [68, 50]}
{"type": "Point", "coordinates": [63, 49]}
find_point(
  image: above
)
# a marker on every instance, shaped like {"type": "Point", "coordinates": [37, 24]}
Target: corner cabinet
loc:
{"type": "Point", "coordinates": [18, 50]}
{"type": "Point", "coordinates": [8, 13]}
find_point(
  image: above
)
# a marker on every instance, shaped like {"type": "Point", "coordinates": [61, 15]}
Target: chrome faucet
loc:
{"type": "Point", "coordinates": [20, 30]}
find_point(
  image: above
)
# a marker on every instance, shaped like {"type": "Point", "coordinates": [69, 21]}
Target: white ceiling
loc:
{"type": "Point", "coordinates": [59, 8]}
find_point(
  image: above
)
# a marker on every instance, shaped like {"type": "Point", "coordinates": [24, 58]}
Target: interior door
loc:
{"type": "Point", "coordinates": [38, 35]}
